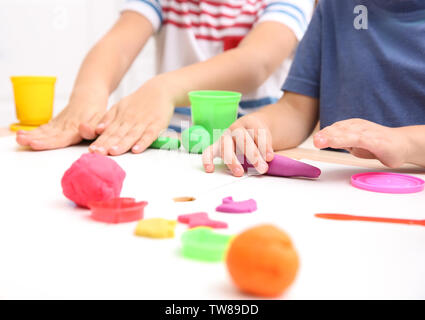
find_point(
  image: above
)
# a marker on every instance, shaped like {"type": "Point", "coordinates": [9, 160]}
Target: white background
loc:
{"type": "Point", "coordinates": [51, 37]}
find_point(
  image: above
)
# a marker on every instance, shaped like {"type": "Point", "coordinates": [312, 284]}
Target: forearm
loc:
{"type": "Point", "coordinates": [291, 120]}
{"type": "Point", "coordinates": [231, 71]}
{"type": "Point", "coordinates": [242, 69]}
{"type": "Point", "coordinates": [416, 141]}
{"type": "Point", "coordinates": [108, 61]}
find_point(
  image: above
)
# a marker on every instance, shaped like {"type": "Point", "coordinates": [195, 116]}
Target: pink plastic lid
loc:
{"type": "Point", "coordinates": [387, 182]}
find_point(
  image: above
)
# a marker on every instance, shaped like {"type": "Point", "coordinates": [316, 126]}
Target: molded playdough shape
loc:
{"type": "Point", "coordinates": [200, 219]}
{"type": "Point", "coordinates": [166, 143]}
{"type": "Point", "coordinates": [282, 166]}
{"type": "Point", "coordinates": [205, 245]}
{"type": "Point", "coordinates": [117, 210]}
{"type": "Point", "coordinates": [158, 228]}
{"type": "Point", "coordinates": [92, 178]}
{"type": "Point", "coordinates": [262, 261]}
{"type": "Point", "coordinates": [230, 206]}
{"type": "Point", "coordinates": [196, 139]}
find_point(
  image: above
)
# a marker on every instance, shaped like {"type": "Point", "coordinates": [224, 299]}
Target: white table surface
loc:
{"type": "Point", "coordinates": [50, 249]}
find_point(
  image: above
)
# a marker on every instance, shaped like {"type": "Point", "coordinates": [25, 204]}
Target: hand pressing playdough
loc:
{"type": "Point", "coordinates": [282, 166]}
{"type": "Point", "coordinates": [93, 178]}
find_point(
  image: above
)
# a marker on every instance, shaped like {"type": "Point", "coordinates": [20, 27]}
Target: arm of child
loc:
{"type": "Point", "coordinates": [99, 75]}
{"type": "Point", "coordinates": [138, 119]}
{"type": "Point", "coordinates": [365, 139]}
{"type": "Point", "coordinates": [279, 126]}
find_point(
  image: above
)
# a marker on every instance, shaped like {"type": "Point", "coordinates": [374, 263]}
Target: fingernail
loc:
{"type": "Point", "coordinates": [208, 167]}
{"type": "Point", "coordinates": [322, 140]}
{"type": "Point", "coordinates": [269, 155]}
{"type": "Point", "coordinates": [92, 148]}
{"type": "Point", "coordinates": [100, 126]}
{"type": "Point", "coordinates": [114, 148]}
{"type": "Point", "coordinates": [101, 149]}
{"type": "Point", "coordinates": [238, 171]}
{"type": "Point", "coordinates": [262, 167]}
{"type": "Point", "coordinates": [136, 148]}
{"type": "Point", "coordinates": [21, 132]}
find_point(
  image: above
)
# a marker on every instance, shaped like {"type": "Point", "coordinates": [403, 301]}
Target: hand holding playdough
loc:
{"type": "Point", "coordinates": [248, 136]}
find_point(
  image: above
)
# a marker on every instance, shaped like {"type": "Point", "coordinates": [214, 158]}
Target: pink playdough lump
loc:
{"type": "Point", "coordinates": [92, 178]}
{"type": "Point", "coordinates": [230, 206]}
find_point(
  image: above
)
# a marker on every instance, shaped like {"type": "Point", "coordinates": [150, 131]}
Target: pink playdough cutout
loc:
{"type": "Point", "coordinates": [200, 219]}
{"type": "Point", "coordinates": [118, 210]}
{"type": "Point", "coordinates": [282, 166]}
{"type": "Point", "coordinates": [230, 206]}
{"type": "Point", "coordinates": [92, 178]}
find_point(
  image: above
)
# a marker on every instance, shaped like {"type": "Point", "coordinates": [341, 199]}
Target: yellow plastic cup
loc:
{"type": "Point", "coordinates": [34, 97]}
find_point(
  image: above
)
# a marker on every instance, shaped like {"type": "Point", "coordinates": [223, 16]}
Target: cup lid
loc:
{"type": "Point", "coordinates": [387, 182]}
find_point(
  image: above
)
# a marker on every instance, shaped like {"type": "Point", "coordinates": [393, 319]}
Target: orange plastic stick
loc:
{"type": "Point", "coordinates": [347, 217]}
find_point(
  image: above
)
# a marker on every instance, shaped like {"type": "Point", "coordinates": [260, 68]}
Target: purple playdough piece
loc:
{"type": "Point", "coordinates": [282, 166]}
{"type": "Point", "coordinates": [230, 206]}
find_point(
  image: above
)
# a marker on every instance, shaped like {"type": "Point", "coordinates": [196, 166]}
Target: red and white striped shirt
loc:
{"type": "Point", "coordinates": [190, 31]}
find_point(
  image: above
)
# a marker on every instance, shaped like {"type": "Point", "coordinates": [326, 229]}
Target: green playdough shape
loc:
{"type": "Point", "coordinates": [166, 143]}
{"type": "Point", "coordinates": [204, 244]}
{"type": "Point", "coordinates": [196, 139]}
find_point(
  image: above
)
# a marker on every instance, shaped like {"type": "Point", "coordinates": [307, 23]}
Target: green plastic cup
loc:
{"type": "Point", "coordinates": [214, 110]}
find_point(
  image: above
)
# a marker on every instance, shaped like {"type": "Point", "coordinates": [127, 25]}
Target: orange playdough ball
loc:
{"type": "Point", "coordinates": [262, 261]}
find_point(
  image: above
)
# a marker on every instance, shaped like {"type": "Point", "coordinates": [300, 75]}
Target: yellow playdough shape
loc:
{"type": "Point", "coordinates": [156, 228]}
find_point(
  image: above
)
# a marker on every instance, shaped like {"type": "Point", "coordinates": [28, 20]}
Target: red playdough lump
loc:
{"type": "Point", "coordinates": [93, 178]}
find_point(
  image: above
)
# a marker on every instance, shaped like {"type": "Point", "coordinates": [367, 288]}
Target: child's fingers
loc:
{"type": "Point", "coordinates": [109, 138]}
{"type": "Point", "coordinates": [60, 140]}
{"type": "Point", "coordinates": [262, 138]}
{"type": "Point", "coordinates": [24, 139]}
{"type": "Point", "coordinates": [88, 130]}
{"type": "Point", "coordinates": [127, 141]}
{"type": "Point", "coordinates": [148, 137]}
{"type": "Point", "coordinates": [208, 157]}
{"type": "Point", "coordinates": [106, 120]}
{"type": "Point", "coordinates": [345, 138]}
{"type": "Point", "coordinates": [113, 141]}
{"type": "Point", "coordinates": [246, 145]}
{"type": "Point", "coordinates": [229, 156]}
{"type": "Point", "coordinates": [48, 137]}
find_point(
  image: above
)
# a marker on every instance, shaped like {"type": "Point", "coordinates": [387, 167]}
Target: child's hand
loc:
{"type": "Point", "coordinates": [248, 136]}
{"type": "Point", "coordinates": [63, 130]}
{"type": "Point", "coordinates": [135, 122]}
{"type": "Point", "coordinates": [365, 139]}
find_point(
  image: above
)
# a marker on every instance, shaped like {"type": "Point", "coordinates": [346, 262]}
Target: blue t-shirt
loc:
{"type": "Point", "coordinates": [377, 74]}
